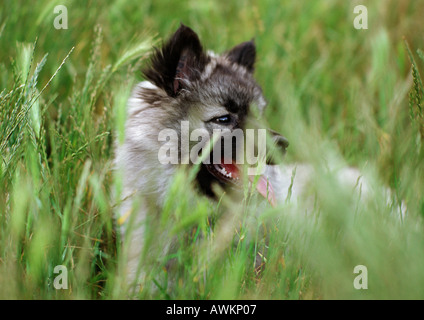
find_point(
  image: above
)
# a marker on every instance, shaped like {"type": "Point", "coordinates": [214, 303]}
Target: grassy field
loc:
{"type": "Point", "coordinates": [340, 95]}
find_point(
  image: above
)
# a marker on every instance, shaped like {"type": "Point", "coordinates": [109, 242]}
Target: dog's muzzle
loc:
{"type": "Point", "coordinates": [278, 149]}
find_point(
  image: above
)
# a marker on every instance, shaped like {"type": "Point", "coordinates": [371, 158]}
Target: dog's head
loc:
{"type": "Point", "coordinates": [214, 93]}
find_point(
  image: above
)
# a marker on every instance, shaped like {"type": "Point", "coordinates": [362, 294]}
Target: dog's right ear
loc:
{"type": "Point", "coordinates": [244, 54]}
{"type": "Point", "coordinates": [179, 61]}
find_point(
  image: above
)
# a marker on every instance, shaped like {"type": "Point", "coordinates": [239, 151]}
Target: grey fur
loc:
{"type": "Point", "coordinates": [199, 87]}
{"type": "Point", "coordinates": [223, 86]}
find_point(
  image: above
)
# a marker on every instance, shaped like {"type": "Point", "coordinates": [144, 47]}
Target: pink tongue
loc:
{"type": "Point", "coordinates": [264, 188]}
{"type": "Point", "coordinates": [263, 185]}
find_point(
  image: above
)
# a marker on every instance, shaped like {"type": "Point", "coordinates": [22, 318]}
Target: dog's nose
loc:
{"type": "Point", "coordinates": [280, 145]}
{"type": "Point", "coordinates": [281, 142]}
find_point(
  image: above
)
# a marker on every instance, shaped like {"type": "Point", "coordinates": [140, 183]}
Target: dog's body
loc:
{"type": "Point", "coordinates": [185, 83]}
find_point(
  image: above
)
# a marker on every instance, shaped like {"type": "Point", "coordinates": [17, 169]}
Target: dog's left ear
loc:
{"type": "Point", "coordinates": [244, 54]}
{"type": "Point", "coordinates": [180, 61]}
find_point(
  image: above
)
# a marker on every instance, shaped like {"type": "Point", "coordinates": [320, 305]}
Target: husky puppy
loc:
{"type": "Point", "coordinates": [186, 84]}
{"type": "Point", "coordinates": [183, 83]}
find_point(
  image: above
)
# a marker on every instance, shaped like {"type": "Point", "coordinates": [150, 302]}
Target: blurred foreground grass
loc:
{"type": "Point", "coordinates": [337, 93]}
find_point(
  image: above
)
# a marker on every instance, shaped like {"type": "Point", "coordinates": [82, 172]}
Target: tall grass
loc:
{"type": "Point", "coordinates": [340, 95]}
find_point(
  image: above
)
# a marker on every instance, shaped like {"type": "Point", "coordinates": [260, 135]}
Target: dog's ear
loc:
{"type": "Point", "coordinates": [244, 54]}
{"type": "Point", "coordinates": [179, 61]}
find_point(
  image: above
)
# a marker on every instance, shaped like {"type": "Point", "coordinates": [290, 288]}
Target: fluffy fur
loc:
{"type": "Point", "coordinates": [186, 83]}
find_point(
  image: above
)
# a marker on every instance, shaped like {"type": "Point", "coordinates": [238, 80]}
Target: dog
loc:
{"type": "Point", "coordinates": [187, 85]}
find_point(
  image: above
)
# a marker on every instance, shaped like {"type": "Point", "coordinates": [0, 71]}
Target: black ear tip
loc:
{"type": "Point", "coordinates": [250, 45]}
{"type": "Point", "coordinates": [253, 43]}
{"type": "Point", "coordinates": [183, 29]}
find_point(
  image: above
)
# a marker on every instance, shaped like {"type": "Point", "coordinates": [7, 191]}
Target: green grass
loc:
{"type": "Point", "coordinates": [353, 97]}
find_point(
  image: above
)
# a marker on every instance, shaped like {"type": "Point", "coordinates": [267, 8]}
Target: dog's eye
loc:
{"type": "Point", "coordinates": [222, 120]}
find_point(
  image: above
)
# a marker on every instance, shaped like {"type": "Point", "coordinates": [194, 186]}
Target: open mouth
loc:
{"type": "Point", "coordinates": [225, 172]}
{"type": "Point", "coordinates": [229, 173]}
